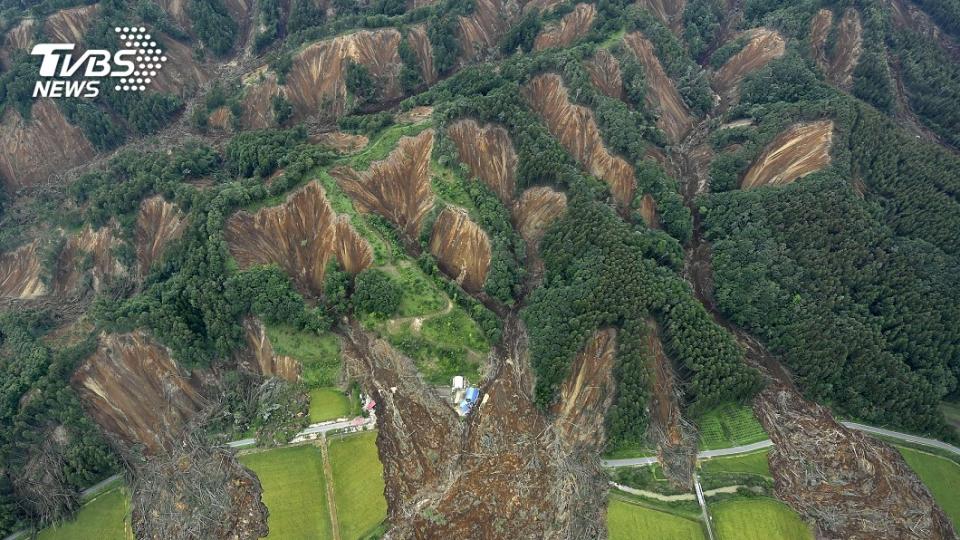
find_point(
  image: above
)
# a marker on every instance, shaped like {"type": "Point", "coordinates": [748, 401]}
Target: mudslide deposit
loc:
{"type": "Point", "coordinates": [764, 45]}
{"type": "Point", "coordinates": [158, 223]}
{"type": "Point", "coordinates": [605, 73]}
{"type": "Point", "coordinates": [838, 63]}
{"type": "Point", "coordinates": [576, 129]}
{"type": "Point", "coordinates": [20, 272]}
{"type": "Point", "coordinates": [849, 484]}
{"type": "Point", "coordinates": [136, 393]}
{"type": "Point", "coordinates": [316, 83]}
{"type": "Point", "coordinates": [479, 33]}
{"type": "Point", "coordinates": [462, 248]}
{"type": "Point", "coordinates": [489, 155]}
{"type": "Point", "coordinates": [661, 96]}
{"type": "Point", "coordinates": [34, 151]}
{"type": "Point", "coordinates": [398, 188]}
{"type": "Point", "coordinates": [262, 357]}
{"type": "Point", "coordinates": [572, 26]}
{"type": "Point", "coordinates": [300, 236]}
{"type": "Point", "coordinates": [795, 153]}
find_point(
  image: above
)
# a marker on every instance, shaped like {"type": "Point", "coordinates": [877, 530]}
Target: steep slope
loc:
{"type": "Point", "coordinates": [397, 188]}
{"type": "Point", "coordinates": [34, 151]}
{"type": "Point", "coordinates": [136, 392]}
{"type": "Point", "coordinates": [763, 46]}
{"type": "Point", "coordinates": [300, 236]}
{"type": "Point", "coordinates": [489, 154]}
{"type": "Point", "coordinates": [800, 150]}
{"type": "Point", "coordinates": [588, 392]}
{"type": "Point", "coordinates": [605, 73]}
{"type": "Point", "coordinates": [479, 33]}
{"type": "Point", "coordinates": [670, 12]}
{"type": "Point", "coordinates": [462, 248]}
{"type": "Point", "coordinates": [64, 26]}
{"type": "Point", "coordinates": [839, 63]}
{"type": "Point", "coordinates": [20, 272]}
{"type": "Point", "coordinates": [316, 82]}
{"type": "Point", "coordinates": [576, 129]}
{"type": "Point", "coordinates": [87, 255]}
{"type": "Point", "coordinates": [662, 96]}
{"type": "Point", "coordinates": [572, 26]}
{"type": "Point", "coordinates": [158, 223]}
{"type": "Point", "coordinates": [262, 357]}
{"type": "Point", "coordinates": [420, 43]}
{"type": "Point", "coordinates": [536, 210]}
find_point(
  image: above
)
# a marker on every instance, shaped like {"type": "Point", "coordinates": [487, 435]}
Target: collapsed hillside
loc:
{"type": "Point", "coordinates": [604, 70]}
{"type": "Point", "coordinates": [763, 46]}
{"type": "Point", "coordinates": [572, 26]}
{"type": "Point", "coordinates": [262, 359]}
{"type": "Point", "coordinates": [300, 235]}
{"type": "Point", "coordinates": [662, 96]}
{"type": "Point", "coordinates": [21, 272]}
{"type": "Point", "coordinates": [839, 62]}
{"type": "Point", "coordinates": [158, 223]}
{"type": "Point", "coordinates": [670, 12]}
{"type": "Point", "coordinates": [462, 248]}
{"type": "Point", "coordinates": [489, 155]}
{"type": "Point", "coordinates": [800, 150]}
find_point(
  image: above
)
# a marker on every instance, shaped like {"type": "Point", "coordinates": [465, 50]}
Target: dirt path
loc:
{"type": "Point", "coordinates": [331, 500]}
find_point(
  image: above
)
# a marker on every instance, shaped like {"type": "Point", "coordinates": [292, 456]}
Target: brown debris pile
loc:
{"type": "Point", "coordinates": [398, 188]}
{"type": "Point", "coordinates": [300, 236]}
{"type": "Point", "coordinates": [795, 153]}
{"type": "Point", "coordinates": [158, 223]}
{"type": "Point", "coordinates": [851, 485]}
{"type": "Point", "coordinates": [489, 154]}
{"type": "Point", "coordinates": [20, 272]}
{"type": "Point", "coordinates": [576, 129]}
{"type": "Point", "coordinates": [462, 248]}
{"type": "Point", "coordinates": [572, 26]}
{"type": "Point", "coordinates": [764, 45]}
{"type": "Point", "coordinates": [839, 63]}
{"type": "Point", "coordinates": [605, 73]}
{"type": "Point", "coordinates": [661, 96]}
{"type": "Point", "coordinates": [536, 210]}
{"type": "Point", "coordinates": [264, 360]}
{"type": "Point", "coordinates": [675, 437]}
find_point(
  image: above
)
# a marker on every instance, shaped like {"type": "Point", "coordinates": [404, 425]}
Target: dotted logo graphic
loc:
{"type": "Point", "coordinates": [149, 58]}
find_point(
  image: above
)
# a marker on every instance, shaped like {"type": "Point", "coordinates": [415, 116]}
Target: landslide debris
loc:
{"type": "Point", "coordinates": [316, 82]}
{"type": "Point", "coordinates": [87, 255]}
{"type": "Point", "coordinates": [479, 33]}
{"type": "Point", "coordinates": [488, 153]}
{"type": "Point", "coordinates": [662, 96]}
{"type": "Point", "coordinates": [261, 358]}
{"type": "Point", "coordinates": [572, 26]}
{"type": "Point", "coordinates": [21, 271]}
{"type": "Point", "coordinates": [462, 248]}
{"type": "Point", "coordinates": [420, 43]}
{"type": "Point", "coordinates": [674, 436]}
{"type": "Point", "coordinates": [800, 150]}
{"type": "Point", "coordinates": [576, 129]}
{"type": "Point", "coordinates": [849, 484]}
{"type": "Point", "coordinates": [670, 12]}
{"type": "Point", "coordinates": [604, 70]}
{"type": "Point", "coordinates": [64, 26]}
{"type": "Point", "coordinates": [398, 188]}
{"type": "Point", "coordinates": [763, 46]}
{"type": "Point", "coordinates": [158, 223]}
{"type": "Point", "coordinates": [299, 236]}
{"type": "Point", "coordinates": [839, 62]}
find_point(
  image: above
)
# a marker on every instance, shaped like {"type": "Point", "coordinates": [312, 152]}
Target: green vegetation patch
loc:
{"type": "Point", "coordinates": [420, 295]}
{"type": "Point", "coordinates": [626, 521]}
{"type": "Point", "coordinates": [758, 519]}
{"type": "Point", "coordinates": [380, 148]}
{"type": "Point", "coordinates": [107, 517]}
{"type": "Point", "coordinates": [294, 491]}
{"type": "Point", "coordinates": [753, 463]}
{"type": "Point", "coordinates": [728, 425]}
{"type": "Point", "coordinates": [357, 484]}
{"type": "Point", "coordinates": [328, 404]}
{"type": "Point", "coordinates": [318, 354]}
{"type": "Point", "coordinates": [941, 475]}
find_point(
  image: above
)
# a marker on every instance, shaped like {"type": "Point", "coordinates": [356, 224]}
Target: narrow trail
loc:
{"type": "Point", "coordinates": [331, 500]}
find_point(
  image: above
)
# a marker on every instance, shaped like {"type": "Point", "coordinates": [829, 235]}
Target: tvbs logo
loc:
{"type": "Point", "coordinates": [131, 68]}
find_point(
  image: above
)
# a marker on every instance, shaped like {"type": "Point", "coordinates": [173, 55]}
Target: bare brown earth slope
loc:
{"type": "Point", "coordinates": [662, 96]}
{"type": "Point", "coordinates": [20, 272]}
{"type": "Point", "coordinates": [605, 73]}
{"type": "Point", "coordinates": [462, 248]}
{"type": "Point", "coordinates": [795, 153]}
{"type": "Point", "coordinates": [158, 223]}
{"type": "Point", "coordinates": [261, 356]}
{"type": "Point", "coordinates": [670, 12]}
{"type": "Point", "coordinates": [300, 236]}
{"type": "Point", "coordinates": [572, 26]}
{"type": "Point", "coordinates": [839, 63]}
{"type": "Point", "coordinates": [489, 154]}
{"type": "Point", "coordinates": [763, 46]}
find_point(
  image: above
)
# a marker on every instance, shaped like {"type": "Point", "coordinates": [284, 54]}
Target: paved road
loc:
{"type": "Point", "coordinates": [312, 430]}
{"type": "Point", "coordinates": [904, 437]}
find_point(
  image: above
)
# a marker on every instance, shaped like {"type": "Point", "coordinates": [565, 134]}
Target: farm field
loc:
{"type": "Point", "coordinates": [328, 404]}
{"type": "Point", "coordinates": [941, 476]}
{"type": "Point", "coordinates": [357, 484]}
{"type": "Point", "coordinates": [729, 425]}
{"type": "Point", "coordinates": [753, 463]}
{"type": "Point", "coordinates": [104, 518]}
{"type": "Point", "coordinates": [757, 519]}
{"type": "Point", "coordinates": [627, 521]}
{"type": "Point", "coordinates": [294, 491]}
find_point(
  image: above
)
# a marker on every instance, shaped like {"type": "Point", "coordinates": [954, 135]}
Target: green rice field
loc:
{"type": "Point", "coordinates": [757, 519]}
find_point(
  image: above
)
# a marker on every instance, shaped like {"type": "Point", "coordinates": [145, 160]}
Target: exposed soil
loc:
{"type": "Point", "coordinates": [344, 143]}
{"type": "Point", "coordinates": [572, 26]}
{"type": "Point", "coordinates": [800, 150]}
{"type": "Point", "coordinates": [670, 12]}
{"type": "Point", "coordinates": [398, 188]}
{"type": "Point", "coordinates": [479, 33]}
{"type": "Point", "coordinates": [461, 247]}
{"type": "Point", "coordinates": [604, 72]}
{"type": "Point", "coordinates": [300, 236]}
{"type": "Point", "coordinates": [20, 272]}
{"type": "Point", "coordinates": [839, 63]}
{"type": "Point", "coordinates": [158, 223]}
{"type": "Point", "coordinates": [420, 43]}
{"type": "Point", "coordinates": [764, 45]}
{"type": "Point", "coordinates": [673, 115]}
{"type": "Point", "coordinates": [907, 15]}
{"type": "Point", "coordinates": [489, 154]}
{"type": "Point", "coordinates": [537, 208]}
{"type": "Point", "coordinates": [260, 356]}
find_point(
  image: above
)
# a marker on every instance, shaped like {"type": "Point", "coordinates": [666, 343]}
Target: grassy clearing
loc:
{"type": "Point", "coordinates": [941, 476]}
{"type": "Point", "coordinates": [357, 484]}
{"type": "Point", "coordinates": [328, 404]}
{"type": "Point", "coordinates": [729, 425]}
{"type": "Point", "coordinates": [319, 355]}
{"type": "Point", "coordinates": [105, 517]}
{"type": "Point", "coordinates": [294, 491]}
{"type": "Point", "coordinates": [437, 360]}
{"type": "Point", "coordinates": [627, 521]}
{"type": "Point", "coordinates": [754, 463]}
{"type": "Point", "coordinates": [420, 295]}
{"type": "Point", "coordinates": [456, 327]}
{"type": "Point", "coordinates": [757, 519]}
{"type": "Point", "coordinates": [383, 144]}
